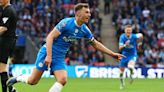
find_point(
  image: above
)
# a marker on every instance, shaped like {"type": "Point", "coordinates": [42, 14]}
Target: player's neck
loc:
{"type": "Point", "coordinates": [128, 36]}
{"type": "Point", "coordinates": [78, 22]}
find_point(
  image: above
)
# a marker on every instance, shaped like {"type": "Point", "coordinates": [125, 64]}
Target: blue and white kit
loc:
{"type": "Point", "coordinates": [131, 51]}
{"type": "Point", "coordinates": [69, 32]}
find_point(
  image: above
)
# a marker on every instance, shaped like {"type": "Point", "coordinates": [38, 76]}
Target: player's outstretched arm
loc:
{"type": "Point", "coordinates": [139, 41]}
{"type": "Point", "coordinates": [49, 41]}
{"type": "Point", "coordinates": [99, 46]}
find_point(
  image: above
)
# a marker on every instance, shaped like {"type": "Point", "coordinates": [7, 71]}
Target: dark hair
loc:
{"type": "Point", "coordinates": [79, 6]}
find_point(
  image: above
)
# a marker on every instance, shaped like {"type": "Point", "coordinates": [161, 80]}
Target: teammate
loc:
{"type": "Point", "coordinates": [128, 47]}
{"type": "Point", "coordinates": [52, 54]}
{"type": "Point", "coordinates": [8, 20]}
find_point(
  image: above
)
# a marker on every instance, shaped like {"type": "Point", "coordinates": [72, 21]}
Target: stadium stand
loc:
{"type": "Point", "coordinates": [147, 17]}
{"type": "Point", "coordinates": [38, 17]}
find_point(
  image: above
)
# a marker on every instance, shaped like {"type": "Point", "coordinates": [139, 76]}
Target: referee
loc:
{"type": "Point", "coordinates": [8, 21]}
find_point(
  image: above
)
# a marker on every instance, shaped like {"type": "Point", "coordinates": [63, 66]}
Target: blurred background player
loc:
{"type": "Point", "coordinates": [52, 54]}
{"type": "Point", "coordinates": [128, 47]}
{"type": "Point", "coordinates": [8, 21]}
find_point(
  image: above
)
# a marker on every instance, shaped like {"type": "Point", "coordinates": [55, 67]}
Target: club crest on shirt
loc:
{"type": "Point", "coordinates": [76, 30]}
{"type": "Point", "coordinates": [4, 19]}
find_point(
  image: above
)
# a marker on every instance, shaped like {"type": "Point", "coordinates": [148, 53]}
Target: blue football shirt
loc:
{"type": "Point", "coordinates": [131, 50]}
{"type": "Point", "coordinates": [69, 33]}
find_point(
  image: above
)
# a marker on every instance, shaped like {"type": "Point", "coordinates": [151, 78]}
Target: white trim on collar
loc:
{"type": "Point", "coordinates": [76, 23]}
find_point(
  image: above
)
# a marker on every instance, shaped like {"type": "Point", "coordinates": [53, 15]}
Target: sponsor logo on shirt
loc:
{"type": "Point", "coordinates": [70, 39]}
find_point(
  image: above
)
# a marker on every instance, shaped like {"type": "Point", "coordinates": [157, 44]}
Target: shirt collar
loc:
{"type": "Point", "coordinates": [76, 23]}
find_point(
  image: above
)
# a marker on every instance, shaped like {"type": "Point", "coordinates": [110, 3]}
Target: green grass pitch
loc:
{"type": "Point", "coordinates": [96, 85]}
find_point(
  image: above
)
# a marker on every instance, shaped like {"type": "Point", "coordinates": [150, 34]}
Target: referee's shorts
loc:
{"type": "Point", "coordinates": [6, 48]}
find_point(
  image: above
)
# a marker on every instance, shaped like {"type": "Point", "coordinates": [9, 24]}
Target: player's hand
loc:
{"type": "Point", "coordinates": [48, 61]}
{"type": "Point", "coordinates": [118, 56]}
{"type": "Point", "coordinates": [127, 43]}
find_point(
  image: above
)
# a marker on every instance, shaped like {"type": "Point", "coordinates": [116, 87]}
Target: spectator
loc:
{"type": "Point", "coordinates": [107, 6]}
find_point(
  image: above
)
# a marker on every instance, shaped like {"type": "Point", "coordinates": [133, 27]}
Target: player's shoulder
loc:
{"type": "Point", "coordinates": [84, 26]}
{"type": "Point", "coordinates": [134, 35]}
{"type": "Point", "coordinates": [68, 19]}
{"type": "Point", "coordinates": [137, 35]}
{"type": "Point", "coordinates": [65, 23]}
{"type": "Point", "coordinates": [122, 35]}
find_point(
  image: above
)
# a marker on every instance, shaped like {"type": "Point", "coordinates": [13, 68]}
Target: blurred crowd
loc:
{"type": "Point", "coordinates": [147, 17]}
{"type": "Point", "coordinates": [38, 17]}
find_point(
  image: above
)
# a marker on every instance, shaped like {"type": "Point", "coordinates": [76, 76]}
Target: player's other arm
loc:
{"type": "Point", "coordinates": [2, 29]}
{"type": "Point", "coordinates": [99, 46]}
{"type": "Point", "coordinates": [49, 41]}
{"type": "Point", "coordinates": [122, 45]}
{"type": "Point", "coordinates": [140, 38]}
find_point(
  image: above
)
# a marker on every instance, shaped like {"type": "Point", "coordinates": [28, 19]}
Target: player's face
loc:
{"type": "Point", "coordinates": [3, 2]}
{"type": "Point", "coordinates": [128, 31]}
{"type": "Point", "coordinates": [84, 15]}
